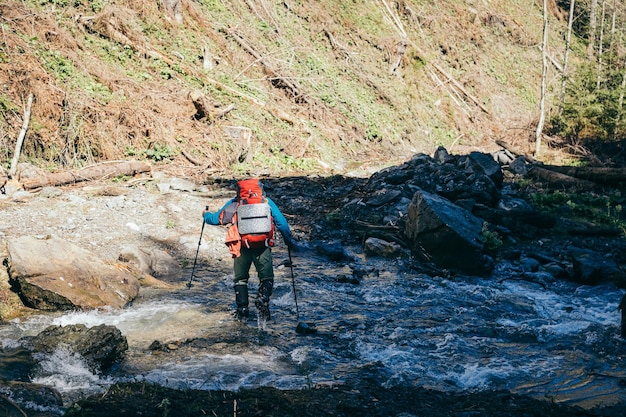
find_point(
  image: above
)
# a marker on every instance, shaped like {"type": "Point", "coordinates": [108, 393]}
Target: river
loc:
{"type": "Point", "coordinates": [519, 331]}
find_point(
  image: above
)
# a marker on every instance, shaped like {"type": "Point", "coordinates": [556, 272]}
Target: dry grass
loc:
{"type": "Point", "coordinates": [114, 80]}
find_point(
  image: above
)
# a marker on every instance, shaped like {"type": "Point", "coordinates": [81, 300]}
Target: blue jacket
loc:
{"type": "Point", "coordinates": [279, 219]}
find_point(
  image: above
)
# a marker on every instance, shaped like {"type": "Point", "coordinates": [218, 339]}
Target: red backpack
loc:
{"type": "Point", "coordinates": [254, 217]}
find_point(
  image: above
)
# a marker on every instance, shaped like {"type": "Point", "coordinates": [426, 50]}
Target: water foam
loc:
{"type": "Point", "coordinates": [67, 371]}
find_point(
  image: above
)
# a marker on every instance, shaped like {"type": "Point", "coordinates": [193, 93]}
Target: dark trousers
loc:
{"type": "Point", "coordinates": [262, 260]}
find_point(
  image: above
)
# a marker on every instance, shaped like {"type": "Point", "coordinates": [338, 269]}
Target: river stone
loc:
{"type": "Point", "coordinates": [101, 346]}
{"type": "Point", "coordinates": [450, 235]}
{"type": "Point", "coordinates": [378, 247]}
{"type": "Point", "coordinates": [52, 274]}
{"type": "Point", "coordinates": [154, 262]}
{"type": "Point", "coordinates": [592, 268]}
{"type": "Point", "coordinates": [333, 251]}
{"type": "Point", "coordinates": [29, 397]}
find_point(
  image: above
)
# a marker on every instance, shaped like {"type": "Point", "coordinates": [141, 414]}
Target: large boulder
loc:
{"type": "Point", "coordinates": [450, 235]}
{"type": "Point", "coordinates": [53, 274]}
{"type": "Point", "coordinates": [101, 346]}
{"type": "Point", "coordinates": [593, 268]}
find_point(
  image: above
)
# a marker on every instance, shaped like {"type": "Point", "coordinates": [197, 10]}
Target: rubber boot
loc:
{"type": "Point", "coordinates": [241, 298]}
{"type": "Point", "coordinates": [262, 302]}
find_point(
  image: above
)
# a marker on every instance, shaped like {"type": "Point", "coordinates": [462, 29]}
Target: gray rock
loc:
{"type": "Point", "coordinates": [484, 163]}
{"type": "Point", "coordinates": [52, 274]}
{"type": "Point", "coordinates": [155, 262]}
{"type": "Point", "coordinates": [101, 346]}
{"type": "Point", "coordinates": [29, 397]}
{"type": "Point", "coordinates": [592, 268]}
{"type": "Point", "coordinates": [519, 166]}
{"type": "Point", "coordinates": [450, 235]}
{"type": "Point", "coordinates": [182, 184]}
{"type": "Point", "coordinates": [378, 247]}
{"type": "Point", "coordinates": [333, 251]}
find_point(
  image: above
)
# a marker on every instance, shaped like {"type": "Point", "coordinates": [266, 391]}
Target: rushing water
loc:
{"type": "Point", "coordinates": [523, 332]}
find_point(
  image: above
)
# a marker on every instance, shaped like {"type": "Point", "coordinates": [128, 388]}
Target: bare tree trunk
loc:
{"type": "Point", "coordinates": [568, 41]}
{"type": "Point", "coordinates": [600, 45]}
{"type": "Point", "coordinates": [621, 94]}
{"type": "Point", "coordinates": [544, 79]}
{"type": "Point", "coordinates": [592, 29]}
{"type": "Point", "coordinates": [613, 19]}
{"type": "Point", "coordinates": [94, 172]}
{"type": "Point", "coordinates": [20, 138]}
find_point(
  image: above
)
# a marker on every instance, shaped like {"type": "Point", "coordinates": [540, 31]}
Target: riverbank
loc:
{"type": "Point", "coordinates": [364, 400]}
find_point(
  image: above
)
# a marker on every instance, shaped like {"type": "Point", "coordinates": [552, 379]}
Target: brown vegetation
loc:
{"type": "Point", "coordinates": [320, 84]}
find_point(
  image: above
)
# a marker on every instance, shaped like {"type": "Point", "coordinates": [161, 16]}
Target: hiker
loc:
{"type": "Point", "coordinates": [250, 237]}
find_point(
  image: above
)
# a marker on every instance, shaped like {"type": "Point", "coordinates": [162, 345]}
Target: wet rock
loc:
{"type": "Point", "coordinates": [344, 279]}
{"type": "Point", "coordinates": [450, 235]}
{"type": "Point", "coordinates": [333, 251]}
{"type": "Point", "coordinates": [52, 274]}
{"type": "Point", "coordinates": [528, 264]}
{"type": "Point", "coordinates": [9, 408]}
{"type": "Point", "coordinates": [101, 346]}
{"type": "Point", "coordinates": [16, 364]}
{"type": "Point", "coordinates": [28, 399]}
{"type": "Point", "coordinates": [592, 268]}
{"type": "Point", "coordinates": [555, 270]}
{"type": "Point", "coordinates": [305, 328]}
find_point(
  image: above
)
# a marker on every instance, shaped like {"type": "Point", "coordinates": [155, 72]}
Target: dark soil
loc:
{"type": "Point", "coordinates": [150, 400]}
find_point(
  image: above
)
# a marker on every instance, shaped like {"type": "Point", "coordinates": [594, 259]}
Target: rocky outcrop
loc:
{"type": "Point", "coordinates": [53, 274]}
{"type": "Point", "coordinates": [437, 206]}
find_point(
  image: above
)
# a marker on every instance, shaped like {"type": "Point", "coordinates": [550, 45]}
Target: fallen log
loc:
{"type": "Point", "coordinates": [191, 158]}
{"type": "Point", "coordinates": [94, 172]}
{"type": "Point", "coordinates": [600, 175]}
{"type": "Point", "coordinates": [555, 179]}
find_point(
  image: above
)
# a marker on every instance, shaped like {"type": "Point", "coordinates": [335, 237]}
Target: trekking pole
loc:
{"type": "Point", "coordinates": [293, 283]}
{"type": "Point", "coordinates": [197, 250]}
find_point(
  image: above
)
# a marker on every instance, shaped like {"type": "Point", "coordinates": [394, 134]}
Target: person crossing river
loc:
{"type": "Point", "coordinates": [252, 218]}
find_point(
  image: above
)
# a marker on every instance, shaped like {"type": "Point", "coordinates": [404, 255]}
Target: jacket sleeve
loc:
{"type": "Point", "coordinates": [280, 221]}
{"type": "Point", "coordinates": [214, 218]}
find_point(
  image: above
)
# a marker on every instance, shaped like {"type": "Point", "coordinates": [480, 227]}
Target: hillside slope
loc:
{"type": "Point", "coordinates": [307, 85]}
